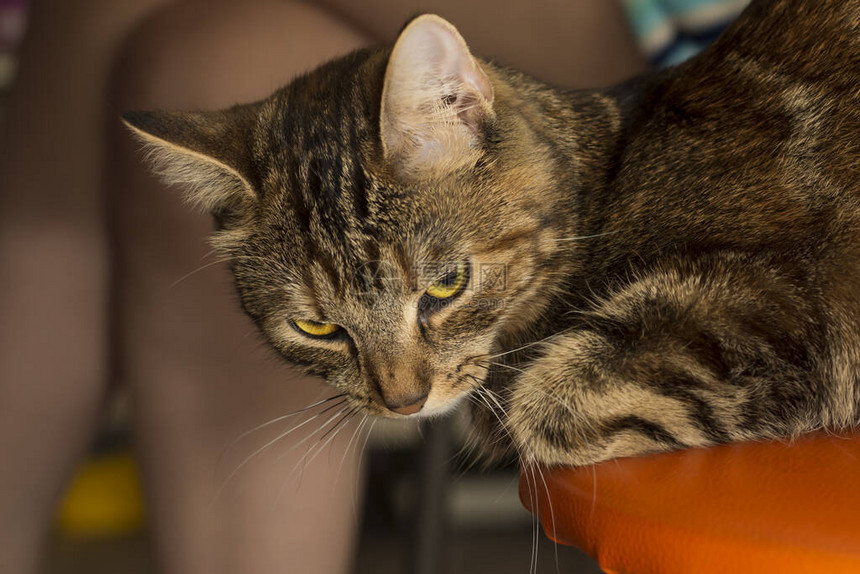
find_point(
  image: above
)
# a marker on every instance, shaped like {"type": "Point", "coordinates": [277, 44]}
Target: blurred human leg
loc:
{"type": "Point", "coordinates": [53, 261]}
{"type": "Point", "coordinates": [198, 373]}
{"type": "Point", "coordinates": [578, 44]}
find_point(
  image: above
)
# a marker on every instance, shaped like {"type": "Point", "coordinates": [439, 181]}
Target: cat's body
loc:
{"type": "Point", "coordinates": [674, 262]}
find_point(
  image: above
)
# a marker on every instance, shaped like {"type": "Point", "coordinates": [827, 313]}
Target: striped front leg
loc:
{"type": "Point", "coordinates": [668, 362]}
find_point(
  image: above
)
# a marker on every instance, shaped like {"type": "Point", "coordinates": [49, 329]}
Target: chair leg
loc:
{"type": "Point", "coordinates": [431, 518]}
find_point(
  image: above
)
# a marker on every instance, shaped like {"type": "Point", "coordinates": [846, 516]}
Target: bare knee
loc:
{"type": "Point", "coordinates": [203, 55]}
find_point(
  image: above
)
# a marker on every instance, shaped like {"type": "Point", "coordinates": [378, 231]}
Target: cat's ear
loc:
{"type": "Point", "coordinates": [208, 154]}
{"type": "Point", "coordinates": [434, 100]}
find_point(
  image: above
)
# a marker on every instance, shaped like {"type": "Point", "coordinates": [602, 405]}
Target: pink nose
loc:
{"type": "Point", "coordinates": [408, 409]}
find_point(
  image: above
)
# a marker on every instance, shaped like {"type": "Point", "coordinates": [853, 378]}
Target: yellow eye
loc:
{"type": "Point", "coordinates": [451, 284]}
{"type": "Point", "coordinates": [315, 329]}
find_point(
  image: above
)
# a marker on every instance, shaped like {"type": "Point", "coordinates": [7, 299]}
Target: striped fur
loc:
{"type": "Point", "coordinates": [666, 264]}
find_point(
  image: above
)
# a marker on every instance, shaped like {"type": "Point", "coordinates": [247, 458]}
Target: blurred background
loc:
{"type": "Point", "coordinates": [476, 520]}
{"type": "Point", "coordinates": [420, 506]}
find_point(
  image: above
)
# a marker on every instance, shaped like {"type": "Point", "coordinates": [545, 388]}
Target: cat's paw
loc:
{"type": "Point", "coordinates": [548, 425]}
{"type": "Point", "coordinates": [568, 408]}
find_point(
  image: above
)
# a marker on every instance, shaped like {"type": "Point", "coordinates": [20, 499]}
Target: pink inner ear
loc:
{"type": "Point", "coordinates": [437, 45]}
{"type": "Point", "coordinates": [435, 94]}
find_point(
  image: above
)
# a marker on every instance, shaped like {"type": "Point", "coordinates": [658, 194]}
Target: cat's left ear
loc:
{"type": "Point", "coordinates": [434, 101]}
{"type": "Point", "coordinates": [208, 154]}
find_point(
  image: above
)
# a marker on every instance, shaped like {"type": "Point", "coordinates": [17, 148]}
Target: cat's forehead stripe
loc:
{"type": "Point", "coordinates": [325, 129]}
{"type": "Point", "coordinates": [326, 188]}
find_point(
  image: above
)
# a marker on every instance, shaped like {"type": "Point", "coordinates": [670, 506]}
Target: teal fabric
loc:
{"type": "Point", "coordinates": [670, 31]}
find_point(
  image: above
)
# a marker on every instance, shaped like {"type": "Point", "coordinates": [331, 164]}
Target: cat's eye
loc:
{"type": "Point", "coordinates": [451, 284]}
{"type": "Point", "coordinates": [315, 329]}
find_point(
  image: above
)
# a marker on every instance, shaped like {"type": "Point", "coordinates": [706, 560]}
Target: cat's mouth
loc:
{"type": "Point", "coordinates": [432, 407]}
{"type": "Point", "coordinates": [443, 406]}
{"type": "Point", "coordinates": [440, 400]}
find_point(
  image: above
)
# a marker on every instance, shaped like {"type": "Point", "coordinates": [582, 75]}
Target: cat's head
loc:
{"type": "Point", "coordinates": [385, 215]}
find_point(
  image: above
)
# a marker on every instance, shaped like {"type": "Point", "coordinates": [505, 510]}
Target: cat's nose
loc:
{"type": "Point", "coordinates": [409, 406]}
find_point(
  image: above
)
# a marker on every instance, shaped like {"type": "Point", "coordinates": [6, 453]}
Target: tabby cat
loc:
{"type": "Point", "coordinates": [670, 263]}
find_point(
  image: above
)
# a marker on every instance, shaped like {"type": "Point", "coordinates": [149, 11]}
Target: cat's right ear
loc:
{"type": "Point", "coordinates": [208, 154]}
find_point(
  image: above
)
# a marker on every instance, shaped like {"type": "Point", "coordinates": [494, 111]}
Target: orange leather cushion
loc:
{"type": "Point", "coordinates": [763, 507]}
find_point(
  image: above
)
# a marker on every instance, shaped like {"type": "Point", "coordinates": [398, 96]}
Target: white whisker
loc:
{"type": "Point", "coordinates": [581, 237]}
{"type": "Point", "coordinates": [271, 422]}
{"type": "Point", "coordinates": [213, 263]}
{"type": "Point", "coordinates": [260, 450]}
{"type": "Point", "coordinates": [306, 459]}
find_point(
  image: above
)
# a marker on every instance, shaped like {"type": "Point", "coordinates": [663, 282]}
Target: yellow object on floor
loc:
{"type": "Point", "coordinates": [103, 499]}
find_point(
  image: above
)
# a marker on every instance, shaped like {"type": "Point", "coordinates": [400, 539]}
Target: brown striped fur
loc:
{"type": "Point", "coordinates": [679, 256]}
